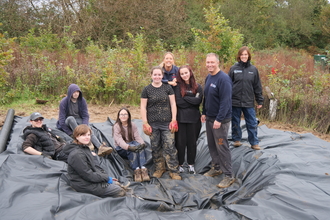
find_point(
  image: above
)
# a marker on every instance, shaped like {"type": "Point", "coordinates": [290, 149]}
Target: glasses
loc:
{"type": "Point", "coordinates": [38, 119]}
{"type": "Point", "coordinates": [123, 114]}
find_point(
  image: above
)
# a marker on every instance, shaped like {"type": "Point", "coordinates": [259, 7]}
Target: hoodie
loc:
{"type": "Point", "coordinates": [64, 109]}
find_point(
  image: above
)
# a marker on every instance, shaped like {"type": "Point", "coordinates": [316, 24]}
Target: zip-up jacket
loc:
{"type": "Point", "coordinates": [246, 85]}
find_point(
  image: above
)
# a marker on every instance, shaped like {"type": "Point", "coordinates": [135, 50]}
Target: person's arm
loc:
{"type": "Point", "coordinates": [84, 111]}
{"type": "Point", "coordinates": [180, 102]}
{"type": "Point", "coordinates": [225, 98]}
{"type": "Point", "coordinates": [79, 162]}
{"type": "Point", "coordinates": [258, 90]}
{"type": "Point", "coordinates": [197, 99]}
{"type": "Point", "coordinates": [62, 116]}
{"type": "Point", "coordinates": [117, 136]}
{"type": "Point", "coordinates": [143, 109]}
{"type": "Point", "coordinates": [136, 134]}
{"type": "Point", "coordinates": [28, 144]}
{"type": "Point", "coordinates": [173, 107]}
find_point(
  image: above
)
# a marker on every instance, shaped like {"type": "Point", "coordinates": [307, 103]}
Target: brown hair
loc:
{"type": "Point", "coordinates": [129, 126]}
{"type": "Point", "coordinates": [156, 68]}
{"type": "Point", "coordinates": [182, 84]}
{"type": "Point", "coordinates": [80, 130]}
{"type": "Point", "coordinates": [240, 51]}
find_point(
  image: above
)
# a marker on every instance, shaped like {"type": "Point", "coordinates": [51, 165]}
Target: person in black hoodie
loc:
{"type": "Point", "coordinates": [40, 140]}
{"type": "Point", "coordinates": [188, 97]}
{"type": "Point", "coordinates": [83, 171]}
{"type": "Point", "coordinates": [73, 112]}
{"type": "Point", "coordinates": [246, 88]}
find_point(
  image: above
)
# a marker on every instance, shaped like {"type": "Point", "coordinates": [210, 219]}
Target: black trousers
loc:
{"type": "Point", "coordinates": [185, 138]}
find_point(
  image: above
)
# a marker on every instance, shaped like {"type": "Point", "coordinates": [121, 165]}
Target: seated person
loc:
{"type": "Point", "coordinates": [39, 139]}
{"type": "Point", "coordinates": [73, 112]}
{"type": "Point", "coordinates": [83, 172]}
{"type": "Point", "coordinates": [130, 145]}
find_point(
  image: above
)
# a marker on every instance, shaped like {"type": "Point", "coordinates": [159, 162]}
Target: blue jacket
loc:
{"type": "Point", "coordinates": [169, 75]}
{"type": "Point", "coordinates": [64, 109]}
{"type": "Point", "coordinates": [217, 97]}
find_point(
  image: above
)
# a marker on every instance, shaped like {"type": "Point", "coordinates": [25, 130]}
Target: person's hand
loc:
{"type": "Point", "coordinates": [147, 129]}
{"type": "Point", "coordinates": [141, 147]}
{"type": "Point", "coordinates": [259, 106]}
{"type": "Point", "coordinates": [173, 126]}
{"type": "Point", "coordinates": [132, 148]}
{"type": "Point", "coordinates": [216, 124]}
{"type": "Point", "coordinates": [203, 118]}
{"type": "Point", "coordinates": [46, 155]}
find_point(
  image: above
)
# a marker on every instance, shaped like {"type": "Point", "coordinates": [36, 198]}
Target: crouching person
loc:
{"type": "Point", "coordinates": [83, 172]}
{"type": "Point", "coordinates": [39, 140]}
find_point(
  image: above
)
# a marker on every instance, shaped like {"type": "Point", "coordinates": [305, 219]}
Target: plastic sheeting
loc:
{"type": "Point", "coordinates": [287, 179]}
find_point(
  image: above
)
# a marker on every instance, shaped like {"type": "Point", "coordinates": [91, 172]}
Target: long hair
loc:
{"type": "Point", "coordinates": [192, 82]}
{"type": "Point", "coordinates": [240, 51]}
{"type": "Point", "coordinates": [162, 63]}
{"type": "Point", "coordinates": [80, 130]}
{"type": "Point", "coordinates": [129, 126]}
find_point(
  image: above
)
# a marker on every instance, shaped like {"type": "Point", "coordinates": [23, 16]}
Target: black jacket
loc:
{"type": "Point", "coordinates": [188, 106]}
{"type": "Point", "coordinates": [83, 173]}
{"type": "Point", "coordinates": [43, 143]}
{"type": "Point", "coordinates": [246, 85]}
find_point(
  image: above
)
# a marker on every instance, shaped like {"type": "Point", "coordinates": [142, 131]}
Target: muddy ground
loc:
{"type": "Point", "coordinates": [99, 113]}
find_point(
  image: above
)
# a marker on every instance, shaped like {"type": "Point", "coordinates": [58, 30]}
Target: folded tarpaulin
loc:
{"type": "Point", "coordinates": [287, 179]}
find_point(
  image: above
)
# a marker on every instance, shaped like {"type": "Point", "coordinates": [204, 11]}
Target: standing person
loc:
{"type": "Point", "coordinates": [40, 140]}
{"type": "Point", "coordinates": [217, 115]}
{"type": "Point", "coordinates": [246, 88]}
{"type": "Point", "coordinates": [83, 172]}
{"type": "Point", "coordinates": [169, 69]}
{"type": "Point", "coordinates": [73, 112]}
{"type": "Point", "coordinates": [188, 97]}
{"type": "Point", "coordinates": [130, 145]}
{"type": "Point", "coordinates": [158, 111]}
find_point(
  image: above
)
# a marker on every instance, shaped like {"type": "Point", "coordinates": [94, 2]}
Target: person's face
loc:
{"type": "Point", "coordinates": [75, 95]}
{"type": "Point", "coordinates": [185, 75]}
{"type": "Point", "coordinates": [123, 116]}
{"type": "Point", "coordinates": [37, 123]}
{"type": "Point", "coordinates": [157, 76]}
{"type": "Point", "coordinates": [212, 64]}
{"type": "Point", "coordinates": [84, 138]}
{"type": "Point", "coordinates": [244, 56]}
{"type": "Point", "coordinates": [168, 60]}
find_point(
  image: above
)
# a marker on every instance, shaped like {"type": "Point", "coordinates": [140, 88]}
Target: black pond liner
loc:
{"type": "Point", "coordinates": [287, 179]}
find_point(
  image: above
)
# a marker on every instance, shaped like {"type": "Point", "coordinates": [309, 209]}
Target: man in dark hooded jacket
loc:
{"type": "Point", "coordinates": [73, 112]}
{"type": "Point", "coordinates": [40, 140]}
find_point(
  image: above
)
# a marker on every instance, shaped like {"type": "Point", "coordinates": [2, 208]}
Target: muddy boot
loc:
{"type": "Point", "coordinates": [91, 146]}
{"type": "Point", "coordinates": [175, 176]}
{"type": "Point", "coordinates": [104, 150]}
{"type": "Point", "coordinates": [137, 175]}
{"type": "Point", "coordinates": [255, 147]}
{"type": "Point", "coordinates": [158, 173]}
{"type": "Point", "coordinates": [145, 175]}
{"type": "Point", "coordinates": [237, 143]}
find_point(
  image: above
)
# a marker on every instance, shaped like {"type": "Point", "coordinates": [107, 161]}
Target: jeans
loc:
{"type": "Point", "coordinates": [135, 159]}
{"type": "Point", "coordinates": [72, 123]}
{"type": "Point", "coordinates": [251, 124]}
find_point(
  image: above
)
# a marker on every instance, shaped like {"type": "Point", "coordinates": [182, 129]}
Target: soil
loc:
{"type": "Point", "coordinates": [99, 113]}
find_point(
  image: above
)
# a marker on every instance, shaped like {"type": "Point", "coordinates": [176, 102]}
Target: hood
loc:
{"type": "Point", "coordinates": [70, 147]}
{"type": "Point", "coordinates": [71, 89]}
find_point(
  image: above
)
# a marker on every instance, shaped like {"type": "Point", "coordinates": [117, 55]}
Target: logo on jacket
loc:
{"type": "Point", "coordinates": [213, 86]}
{"type": "Point", "coordinates": [238, 71]}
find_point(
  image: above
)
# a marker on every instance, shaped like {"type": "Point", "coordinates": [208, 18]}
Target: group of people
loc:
{"type": "Point", "coordinates": [170, 111]}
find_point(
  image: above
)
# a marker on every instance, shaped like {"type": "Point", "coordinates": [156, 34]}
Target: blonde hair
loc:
{"type": "Point", "coordinates": [162, 63]}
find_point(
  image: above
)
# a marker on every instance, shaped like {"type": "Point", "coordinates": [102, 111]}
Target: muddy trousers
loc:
{"type": "Point", "coordinates": [135, 159]}
{"type": "Point", "coordinates": [163, 150]}
{"type": "Point", "coordinates": [219, 146]}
